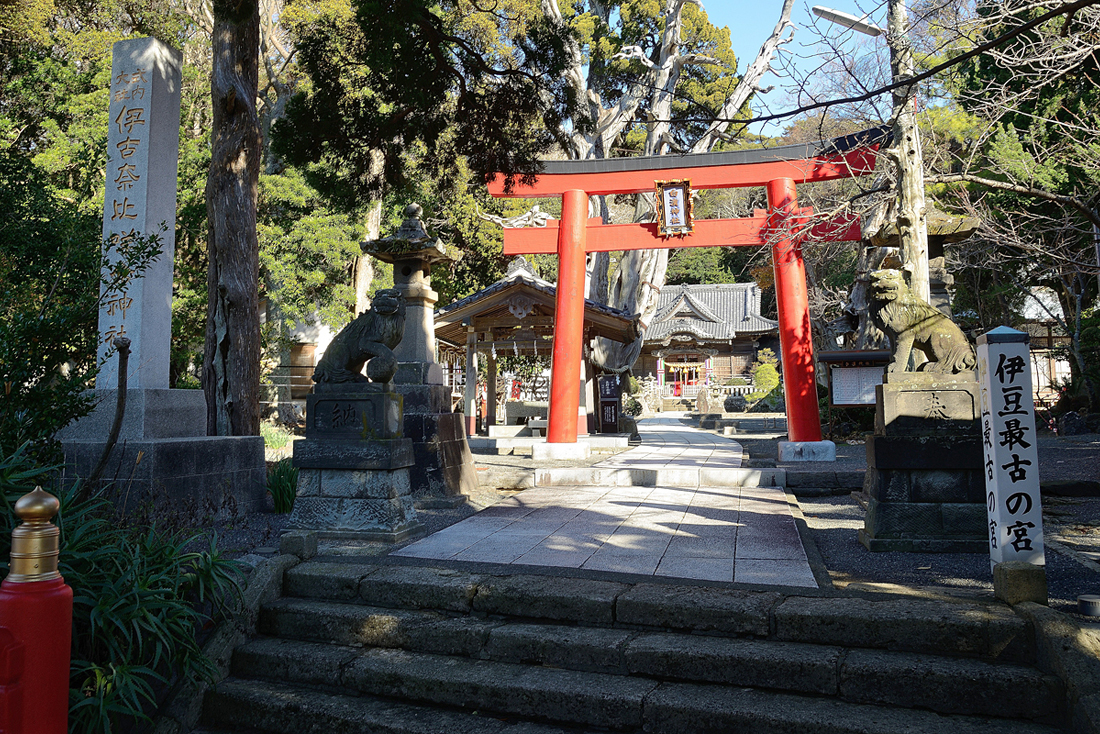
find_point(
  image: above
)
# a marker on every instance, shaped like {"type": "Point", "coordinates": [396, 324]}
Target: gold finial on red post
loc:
{"type": "Point", "coordinates": [35, 542]}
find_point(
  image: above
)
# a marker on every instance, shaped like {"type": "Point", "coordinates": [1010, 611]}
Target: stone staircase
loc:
{"type": "Point", "coordinates": [673, 404]}
{"type": "Point", "coordinates": [352, 647]}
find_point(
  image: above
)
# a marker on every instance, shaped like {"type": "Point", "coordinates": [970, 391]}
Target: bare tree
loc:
{"type": "Point", "coordinates": [638, 278]}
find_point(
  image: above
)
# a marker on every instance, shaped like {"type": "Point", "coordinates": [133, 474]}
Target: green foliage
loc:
{"type": "Point", "coordinates": [633, 385]}
{"type": "Point", "coordinates": [703, 88]}
{"type": "Point", "coordinates": [632, 406]}
{"type": "Point", "coordinates": [140, 599]}
{"type": "Point", "coordinates": [526, 367]}
{"type": "Point", "coordinates": [451, 204]}
{"type": "Point", "coordinates": [274, 436]}
{"type": "Point", "coordinates": [455, 77]}
{"type": "Point", "coordinates": [765, 377]}
{"type": "Point", "coordinates": [699, 265]}
{"type": "Point", "coordinates": [305, 252]}
{"type": "Point", "coordinates": [51, 265]}
{"type": "Point", "coordinates": [282, 483]}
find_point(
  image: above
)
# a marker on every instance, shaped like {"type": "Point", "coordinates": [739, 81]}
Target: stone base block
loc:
{"type": "Point", "coordinates": [423, 400]}
{"type": "Point", "coordinates": [920, 545]}
{"type": "Point", "coordinates": [194, 479]}
{"type": "Point", "coordinates": [354, 411]}
{"type": "Point", "coordinates": [924, 452]}
{"type": "Point", "coordinates": [927, 403]}
{"type": "Point", "coordinates": [928, 527]}
{"type": "Point", "coordinates": [362, 505]}
{"type": "Point", "coordinates": [356, 484]}
{"type": "Point", "coordinates": [1016, 581]}
{"type": "Point", "coordinates": [361, 455]}
{"type": "Point", "coordinates": [807, 451]}
{"type": "Point", "coordinates": [560, 451]}
{"type": "Point", "coordinates": [301, 543]}
{"type": "Point", "coordinates": [443, 466]}
{"type": "Point", "coordinates": [150, 414]}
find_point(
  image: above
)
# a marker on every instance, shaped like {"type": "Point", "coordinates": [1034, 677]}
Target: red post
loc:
{"type": "Point", "coordinates": [36, 608]}
{"type": "Point", "coordinates": [565, 375]}
{"type": "Point", "coordinates": [803, 418]}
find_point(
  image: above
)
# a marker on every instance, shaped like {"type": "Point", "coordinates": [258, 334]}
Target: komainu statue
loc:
{"type": "Point", "coordinates": [371, 336]}
{"type": "Point", "coordinates": [910, 323]}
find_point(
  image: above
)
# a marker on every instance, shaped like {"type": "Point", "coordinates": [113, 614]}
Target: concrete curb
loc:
{"type": "Point", "coordinates": [813, 554]}
{"type": "Point", "coordinates": [1070, 651]}
{"type": "Point", "coordinates": [180, 712]}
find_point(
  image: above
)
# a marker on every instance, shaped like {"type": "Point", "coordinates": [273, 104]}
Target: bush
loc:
{"type": "Point", "coordinates": [51, 265]}
{"type": "Point", "coordinates": [282, 483]}
{"type": "Point", "coordinates": [734, 403]}
{"type": "Point", "coordinates": [632, 406]}
{"type": "Point", "coordinates": [274, 437]}
{"type": "Point", "coordinates": [633, 385]}
{"type": "Point", "coordinates": [141, 598]}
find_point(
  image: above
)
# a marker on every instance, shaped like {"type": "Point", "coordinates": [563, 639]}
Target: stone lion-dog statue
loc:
{"type": "Point", "coordinates": [910, 323]}
{"type": "Point", "coordinates": [371, 336]}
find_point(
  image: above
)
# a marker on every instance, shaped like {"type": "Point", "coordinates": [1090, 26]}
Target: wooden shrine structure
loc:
{"type": "Point", "coordinates": [516, 315]}
{"type": "Point", "coordinates": [784, 226]}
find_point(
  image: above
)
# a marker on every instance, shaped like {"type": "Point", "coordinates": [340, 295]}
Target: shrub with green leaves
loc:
{"type": "Point", "coordinates": [282, 483]}
{"type": "Point", "coordinates": [274, 436]}
{"type": "Point", "coordinates": [51, 258]}
{"type": "Point", "coordinates": [765, 377]}
{"type": "Point", "coordinates": [141, 598]}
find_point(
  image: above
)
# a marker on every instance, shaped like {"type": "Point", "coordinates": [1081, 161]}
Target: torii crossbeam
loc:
{"type": "Point", "coordinates": [783, 226]}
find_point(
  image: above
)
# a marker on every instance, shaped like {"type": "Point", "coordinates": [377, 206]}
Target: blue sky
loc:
{"type": "Point", "coordinates": [751, 22]}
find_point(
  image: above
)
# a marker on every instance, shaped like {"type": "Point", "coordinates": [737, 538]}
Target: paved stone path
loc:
{"type": "Point", "coordinates": [742, 534]}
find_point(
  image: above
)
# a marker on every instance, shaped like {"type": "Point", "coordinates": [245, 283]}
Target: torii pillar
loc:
{"type": "Point", "coordinates": [565, 365]}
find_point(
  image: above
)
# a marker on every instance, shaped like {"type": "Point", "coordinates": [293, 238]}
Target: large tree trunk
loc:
{"type": "Point", "coordinates": [231, 362]}
{"type": "Point", "coordinates": [362, 269]}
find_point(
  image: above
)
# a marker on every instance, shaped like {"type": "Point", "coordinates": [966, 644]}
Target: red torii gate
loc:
{"type": "Point", "coordinates": [783, 226]}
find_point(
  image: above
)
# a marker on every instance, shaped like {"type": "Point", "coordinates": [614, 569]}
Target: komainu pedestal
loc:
{"type": "Point", "coordinates": [353, 465]}
{"type": "Point", "coordinates": [924, 487]}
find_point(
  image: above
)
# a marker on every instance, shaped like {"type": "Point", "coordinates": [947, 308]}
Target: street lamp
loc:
{"type": "Point", "coordinates": [912, 219]}
{"type": "Point", "coordinates": [847, 20]}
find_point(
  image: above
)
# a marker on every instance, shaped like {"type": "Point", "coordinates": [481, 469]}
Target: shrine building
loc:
{"type": "Point", "coordinates": [704, 335]}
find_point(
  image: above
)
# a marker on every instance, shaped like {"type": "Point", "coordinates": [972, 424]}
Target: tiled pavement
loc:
{"type": "Point", "coordinates": [742, 534]}
{"type": "Point", "coordinates": [669, 444]}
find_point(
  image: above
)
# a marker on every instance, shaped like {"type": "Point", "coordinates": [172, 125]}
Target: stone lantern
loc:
{"type": "Point", "coordinates": [412, 252]}
{"type": "Point", "coordinates": [443, 472]}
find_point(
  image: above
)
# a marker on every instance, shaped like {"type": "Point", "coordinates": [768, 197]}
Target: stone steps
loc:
{"type": "Point", "coordinates": [452, 686]}
{"type": "Point", "coordinates": [946, 685]}
{"type": "Point", "coordinates": [271, 708]}
{"type": "Point", "coordinates": [672, 477]}
{"type": "Point", "coordinates": [985, 631]}
{"type": "Point", "coordinates": [357, 647]}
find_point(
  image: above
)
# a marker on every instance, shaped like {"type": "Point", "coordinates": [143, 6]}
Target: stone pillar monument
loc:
{"type": "Point", "coordinates": [142, 153]}
{"type": "Point", "coordinates": [443, 472]}
{"type": "Point", "coordinates": [166, 428]}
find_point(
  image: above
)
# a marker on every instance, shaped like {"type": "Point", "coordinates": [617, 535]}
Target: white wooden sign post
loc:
{"type": "Point", "coordinates": [1011, 450]}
